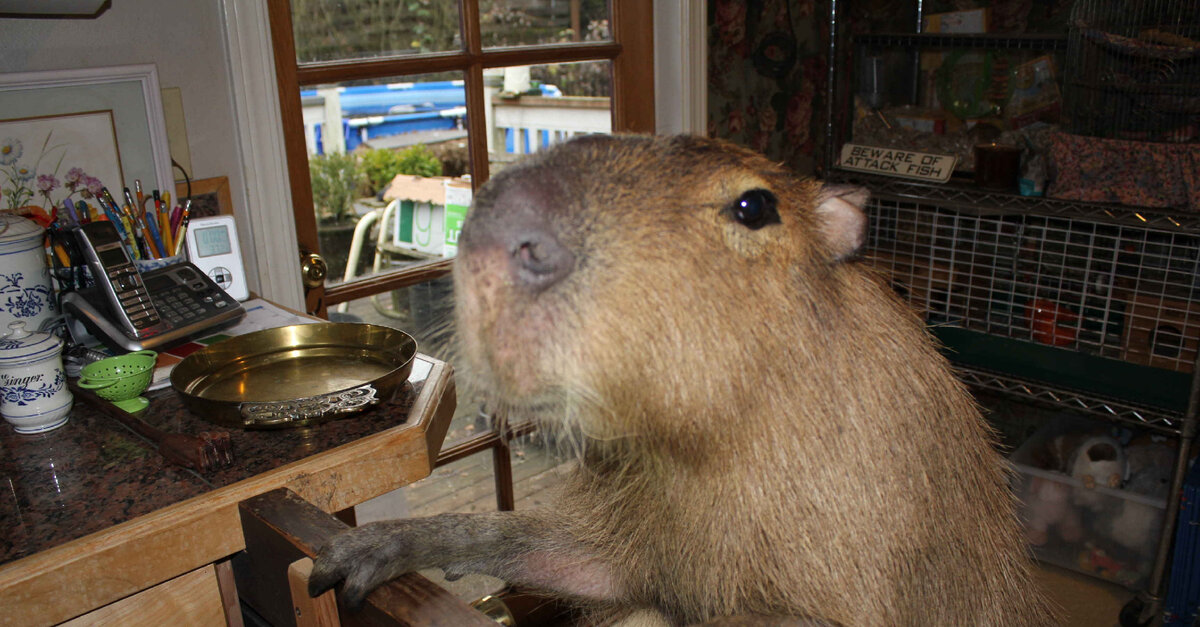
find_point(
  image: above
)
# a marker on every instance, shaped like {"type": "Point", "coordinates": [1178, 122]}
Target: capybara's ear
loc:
{"type": "Point", "coordinates": [841, 219]}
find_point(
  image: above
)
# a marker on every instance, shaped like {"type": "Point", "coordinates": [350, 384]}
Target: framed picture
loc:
{"type": "Point", "coordinates": [210, 197]}
{"type": "Point", "coordinates": [65, 133]}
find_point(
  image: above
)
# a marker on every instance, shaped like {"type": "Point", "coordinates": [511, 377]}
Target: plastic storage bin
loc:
{"type": "Point", "coordinates": [1092, 502]}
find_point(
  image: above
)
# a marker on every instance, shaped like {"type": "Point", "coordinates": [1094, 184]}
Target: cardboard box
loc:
{"type": "Point", "coordinates": [1162, 332]}
{"type": "Point", "coordinates": [429, 213]}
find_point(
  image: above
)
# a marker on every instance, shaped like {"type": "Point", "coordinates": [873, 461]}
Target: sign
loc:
{"type": "Point", "coordinates": [420, 226]}
{"type": "Point", "coordinates": [429, 213]}
{"type": "Point", "coordinates": [458, 201]}
{"type": "Point", "coordinates": [906, 164]}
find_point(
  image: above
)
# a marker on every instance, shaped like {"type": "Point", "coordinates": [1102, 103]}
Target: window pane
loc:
{"type": "Point", "coordinates": [338, 30]}
{"type": "Point", "coordinates": [534, 107]}
{"type": "Point", "coordinates": [388, 161]}
{"type": "Point", "coordinates": [528, 22]}
{"type": "Point", "coordinates": [424, 311]}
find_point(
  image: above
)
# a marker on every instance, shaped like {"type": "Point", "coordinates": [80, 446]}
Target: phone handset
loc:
{"type": "Point", "coordinates": [118, 279]}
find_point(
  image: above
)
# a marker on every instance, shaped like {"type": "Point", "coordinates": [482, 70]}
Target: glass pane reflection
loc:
{"type": "Point", "coordinates": [424, 311]}
{"type": "Point", "coordinates": [530, 22]}
{"type": "Point", "coordinates": [340, 30]}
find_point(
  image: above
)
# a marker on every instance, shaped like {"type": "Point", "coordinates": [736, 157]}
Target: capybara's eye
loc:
{"type": "Point", "coordinates": [755, 209]}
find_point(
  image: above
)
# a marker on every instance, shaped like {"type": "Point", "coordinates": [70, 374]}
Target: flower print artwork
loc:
{"type": "Point", "coordinates": [46, 160]}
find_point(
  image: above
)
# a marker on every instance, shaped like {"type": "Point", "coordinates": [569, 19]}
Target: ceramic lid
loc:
{"type": "Point", "coordinates": [18, 345]}
{"type": "Point", "coordinates": [15, 228]}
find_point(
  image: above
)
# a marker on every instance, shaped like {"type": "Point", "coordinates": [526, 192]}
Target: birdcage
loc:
{"type": "Point", "coordinates": [1133, 70]}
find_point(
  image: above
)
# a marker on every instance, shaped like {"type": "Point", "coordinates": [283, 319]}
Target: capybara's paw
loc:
{"type": "Point", "coordinates": [364, 558]}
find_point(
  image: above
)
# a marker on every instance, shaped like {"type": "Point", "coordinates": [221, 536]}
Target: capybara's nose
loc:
{"type": "Point", "coordinates": [521, 245]}
{"type": "Point", "coordinates": [537, 259]}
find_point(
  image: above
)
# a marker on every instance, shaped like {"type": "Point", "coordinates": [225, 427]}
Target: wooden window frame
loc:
{"type": "Point", "coordinates": [631, 53]}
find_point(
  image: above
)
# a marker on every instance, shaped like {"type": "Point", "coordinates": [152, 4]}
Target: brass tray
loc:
{"type": "Point", "coordinates": [296, 375]}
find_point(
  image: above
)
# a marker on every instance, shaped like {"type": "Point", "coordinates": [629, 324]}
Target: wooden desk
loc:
{"type": "Point", "coordinates": [92, 514]}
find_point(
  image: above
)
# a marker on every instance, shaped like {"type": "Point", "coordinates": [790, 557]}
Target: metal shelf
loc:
{"type": "Point", "coordinates": [943, 40]}
{"type": "Point", "coordinates": [1146, 417]}
{"type": "Point", "coordinates": [965, 197]}
{"type": "Point", "coordinates": [909, 197]}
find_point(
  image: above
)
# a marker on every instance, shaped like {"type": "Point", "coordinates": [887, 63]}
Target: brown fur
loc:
{"type": "Point", "coordinates": [764, 428]}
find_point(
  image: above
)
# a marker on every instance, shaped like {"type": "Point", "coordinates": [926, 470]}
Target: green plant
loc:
{"type": "Point", "coordinates": [419, 160]}
{"type": "Point", "coordinates": [380, 165]}
{"type": "Point", "coordinates": [335, 180]}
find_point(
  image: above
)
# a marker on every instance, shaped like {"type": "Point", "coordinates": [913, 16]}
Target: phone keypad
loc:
{"type": "Point", "coordinates": [134, 298]}
{"type": "Point", "coordinates": [189, 303]}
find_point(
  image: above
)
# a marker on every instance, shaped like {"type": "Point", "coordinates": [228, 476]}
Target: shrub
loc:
{"type": "Point", "coordinates": [380, 165]}
{"type": "Point", "coordinates": [420, 161]}
{"type": "Point", "coordinates": [335, 181]}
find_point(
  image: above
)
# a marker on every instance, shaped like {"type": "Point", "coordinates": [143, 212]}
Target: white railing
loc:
{"type": "Point", "coordinates": [531, 122]}
{"type": "Point", "coordinates": [516, 125]}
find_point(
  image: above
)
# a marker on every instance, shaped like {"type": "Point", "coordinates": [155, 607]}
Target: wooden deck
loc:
{"type": "Point", "coordinates": [467, 486]}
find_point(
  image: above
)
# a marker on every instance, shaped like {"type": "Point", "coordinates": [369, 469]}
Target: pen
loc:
{"type": "Point", "coordinates": [141, 198]}
{"type": "Point", "coordinates": [151, 221]}
{"type": "Point", "coordinates": [147, 238]}
{"type": "Point", "coordinates": [108, 197]}
{"type": "Point", "coordinates": [183, 224]}
{"type": "Point", "coordinates": [84, 214]}
{"type": "Point", "coordinates": [110, 211]}
{"type": "Point", "coordinates": [164, 223]}
{"type": "Point", "coordinates": [176, 216]}
{"type": "Point", "coordinates": [129, 198]}
{"type": "Point", "coordinates": [71, 210]}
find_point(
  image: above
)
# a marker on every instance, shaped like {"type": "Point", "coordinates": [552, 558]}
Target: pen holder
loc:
{"type": "Point", "coordinates": [146, 265]}
{"type": "Point", "coordinates": [121, 380]}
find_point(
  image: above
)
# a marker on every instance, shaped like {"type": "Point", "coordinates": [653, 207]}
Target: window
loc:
{"type": "Point", "coordinates": [468, 85]}
{"type": "Point", "coordinates": [476, 49]}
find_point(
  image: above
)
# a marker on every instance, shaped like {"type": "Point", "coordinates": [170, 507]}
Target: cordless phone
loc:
{"type": "Point", "coordinates": [117, 278]}
{"type": "Point", "coordinates": [128, 310]}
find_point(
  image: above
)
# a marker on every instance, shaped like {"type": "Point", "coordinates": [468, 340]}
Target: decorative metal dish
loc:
{"type": "Point", "coordinates": [296, 375]}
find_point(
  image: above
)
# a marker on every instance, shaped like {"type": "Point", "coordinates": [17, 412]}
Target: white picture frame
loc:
{"type": "Point", "coordinates": [130, 93]}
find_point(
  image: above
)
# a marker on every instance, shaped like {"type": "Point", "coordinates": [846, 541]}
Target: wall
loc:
{"type": "Point", "coordinates": [766, 76]}
{"type": "Point", "coordinates": [185, 40]}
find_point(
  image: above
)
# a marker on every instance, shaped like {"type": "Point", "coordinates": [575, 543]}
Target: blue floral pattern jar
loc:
{"type": "Point", "coordinates": [25, 290]}
{"type": "Point", "coordinates": [34, 396]}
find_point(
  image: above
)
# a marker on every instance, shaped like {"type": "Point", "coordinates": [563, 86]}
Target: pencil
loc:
{"type": "Point", "coordinates": [131, 237]}
{"type": "Point", "coordinates": [141, 198]}
{"type": "Point", "coordinates": [164, 222]}
{"type": "Point", "coordinates": [147, 238]}
{"type": "Point", "coordinates": [183, 224]}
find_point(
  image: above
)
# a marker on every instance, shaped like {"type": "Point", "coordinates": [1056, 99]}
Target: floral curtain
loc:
{"type": "Point", "coordinates": [766, 76]}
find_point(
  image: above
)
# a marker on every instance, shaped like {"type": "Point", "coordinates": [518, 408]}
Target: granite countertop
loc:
{"type": "Point", "coordinates": [94, 473]}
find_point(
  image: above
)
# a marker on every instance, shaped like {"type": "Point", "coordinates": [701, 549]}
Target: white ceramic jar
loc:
{"type": "Point", "coordinates": [34, 396]}
{"type": "Point", "coordinates": [25, 289]}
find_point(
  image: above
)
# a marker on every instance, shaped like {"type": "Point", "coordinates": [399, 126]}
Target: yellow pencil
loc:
{"type": "Point", "coordinates": [132, 243]}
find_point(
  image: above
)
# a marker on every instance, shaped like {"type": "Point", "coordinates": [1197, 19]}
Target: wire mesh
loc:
{"type": "Point", "coordinates": [1118, 291]}
{"type": "Point", "coordinates": [1133, 70]}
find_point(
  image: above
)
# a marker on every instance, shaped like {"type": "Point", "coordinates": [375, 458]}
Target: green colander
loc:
{"type": "Point", "coordinates": [121, 379]}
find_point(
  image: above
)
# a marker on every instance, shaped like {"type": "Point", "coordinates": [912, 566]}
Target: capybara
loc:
{"type": "Point", "coordinates": [764, 430]}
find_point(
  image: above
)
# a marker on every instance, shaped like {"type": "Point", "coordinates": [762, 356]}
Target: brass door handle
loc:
{"type": "Point", "coordinates": [313, 270]}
